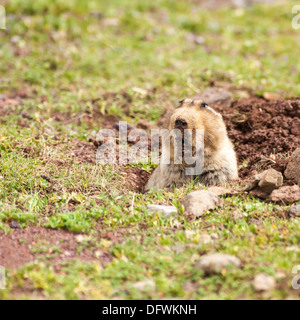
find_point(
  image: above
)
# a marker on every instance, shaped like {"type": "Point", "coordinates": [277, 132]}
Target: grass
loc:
{"type": "Point", "coordinates": [80, 62]}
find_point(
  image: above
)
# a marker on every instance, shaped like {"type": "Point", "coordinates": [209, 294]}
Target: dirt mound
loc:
{"type": "Point", "coordinates": [265, 133]}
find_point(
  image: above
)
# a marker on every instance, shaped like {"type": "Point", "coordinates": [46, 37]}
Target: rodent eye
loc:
{"type": "Point", "coordinates": [203, 105]}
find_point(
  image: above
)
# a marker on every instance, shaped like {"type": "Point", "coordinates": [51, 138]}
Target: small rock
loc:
{"type": "Point", "coordinates": [141, 91]}
{"type": "Point", "coordinates": [14, 225]}
{"type": "Point", "coordinates": [189, 234]}
{"type": "Point", "coordinates": [263, 282]}
{"type": "Point", "coordinates": [289, 194]}
{"type": "Point", "coordinates": [253, 182]}
{"type": "Point", "coordinates": [237, 215]}
{"type": "Point", "coordinates": [271, 96]}
{"type": "Point", "coordinates": [199, 202]}
{"type": "Point", "coordinates": [205, 239]}
{"type": "Point", "coordinates": [295, 210]}
{"type": "Point", "coordinates": [215, 96]}
{"type": "Point", "coordinates": [15, 39]}
{"type": "Point", "coordinates": [68, 253]}
{"type": "Point", "coordinates": [264, 183]}
{"type": "Point", "coordinates": [280, 275]}
{"type": "Point", "coordinates": [216, 262]}
{"type": "Point", "coordinates": [98, 254]}
{"type": "Point", "coordinates": [242, 94]}
{"type": "Point", "coordinates": [80, 238]}
{"type": "Point", "coordinates": [270, 180]}
{"type": "Point", "coordinates": [293, 168]}
{"type": "Point", "coordinates": [214, 236]}
{"type": "Point", "coordinates": [111, 22]}
{"type": "Point", "coordinates": [142, 285]}
{"type": "Point", "coordinates": [166, 210]}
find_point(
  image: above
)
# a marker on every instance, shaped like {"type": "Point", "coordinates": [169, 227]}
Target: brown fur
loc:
{"type": "Point", "coordinates": [220, 164]}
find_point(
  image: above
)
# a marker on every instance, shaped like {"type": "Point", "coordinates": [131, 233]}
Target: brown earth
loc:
{"type": "Point", "coordinates": [22, 246]}
{"type": "Point", "coordinates": [265, 132]}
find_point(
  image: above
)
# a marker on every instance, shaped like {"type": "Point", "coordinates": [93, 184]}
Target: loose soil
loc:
{"type": "Point", "coordinates": [265, 133]}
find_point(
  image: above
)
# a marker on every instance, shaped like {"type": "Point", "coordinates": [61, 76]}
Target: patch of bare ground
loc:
{"type": "Point", "coordinates": [27, 245]}
{"type": "Point", "coordinates": [265, 132]}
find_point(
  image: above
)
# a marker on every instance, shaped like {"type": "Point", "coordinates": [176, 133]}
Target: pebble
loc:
{"type": "Point", "coordinates": [216, 262]}
{"type": "Point", "coordinates": [263, 282]}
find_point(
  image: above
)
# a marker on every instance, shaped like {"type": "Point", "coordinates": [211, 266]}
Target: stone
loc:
{"type": "Point", "coordinates": [215, 263]}
{"type": "Point", "coordinates": [215, 96]}
{"type": "Point", "coordinates": [110, 22]}
{"type": "Point", "coordinates": [144, 285]}
{"type": "Point", "coordinates": [288, 194]}
{"type": "Point", "coordinates": [189, 234]}
{"type": "Point", "coordinates": [253, 182]}
{"type": "Point", "coordinates": [81, 238]}
{"type": "Point", "coordinates": [214, 236]}
{"type": "Point", "coordinates": [265, 181]}
{"type": "Point", "coordinates": [205, 239]}
{"type": "Point", "coordinates": [270, 180]}
{"type": "Point", "coordinates": [14, 225]}
{"type": "Point", "coordinates": [293, 168]}
{"type": "Point", "coordinates": [166, 210]}
{"type": "Point", "coordinates": [141, 91]}
{"type": "Point", "coordinates": [263, 282]}
{"type": "Point", "coordinates": [198, 203]}
{"type": "Point", "coordinates": [272, 96]}
{"type": "Point", "coordinates": [237, 215]}
{"type": "Point", "coordinates": [295, 210]}
{"type": "Point", "coordinates": [68, 253]}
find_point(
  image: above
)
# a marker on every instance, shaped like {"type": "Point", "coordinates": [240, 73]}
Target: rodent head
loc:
{"type": "Point", "coordinates": [193, 114]}
{"type": "Point", "coordinates": [196, 114]}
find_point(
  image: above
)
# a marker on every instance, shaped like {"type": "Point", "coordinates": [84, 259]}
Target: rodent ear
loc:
{"type": "Point", "coordinates": [181, 103]}
{"type": "Point", "coordinates": [203, 105]}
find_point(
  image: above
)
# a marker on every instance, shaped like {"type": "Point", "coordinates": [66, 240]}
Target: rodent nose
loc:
{"type": "Point", "coordinates": [180, 124]}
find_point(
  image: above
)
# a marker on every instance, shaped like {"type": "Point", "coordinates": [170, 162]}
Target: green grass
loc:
{"type": "Point", "coordinates": [73, 64]}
